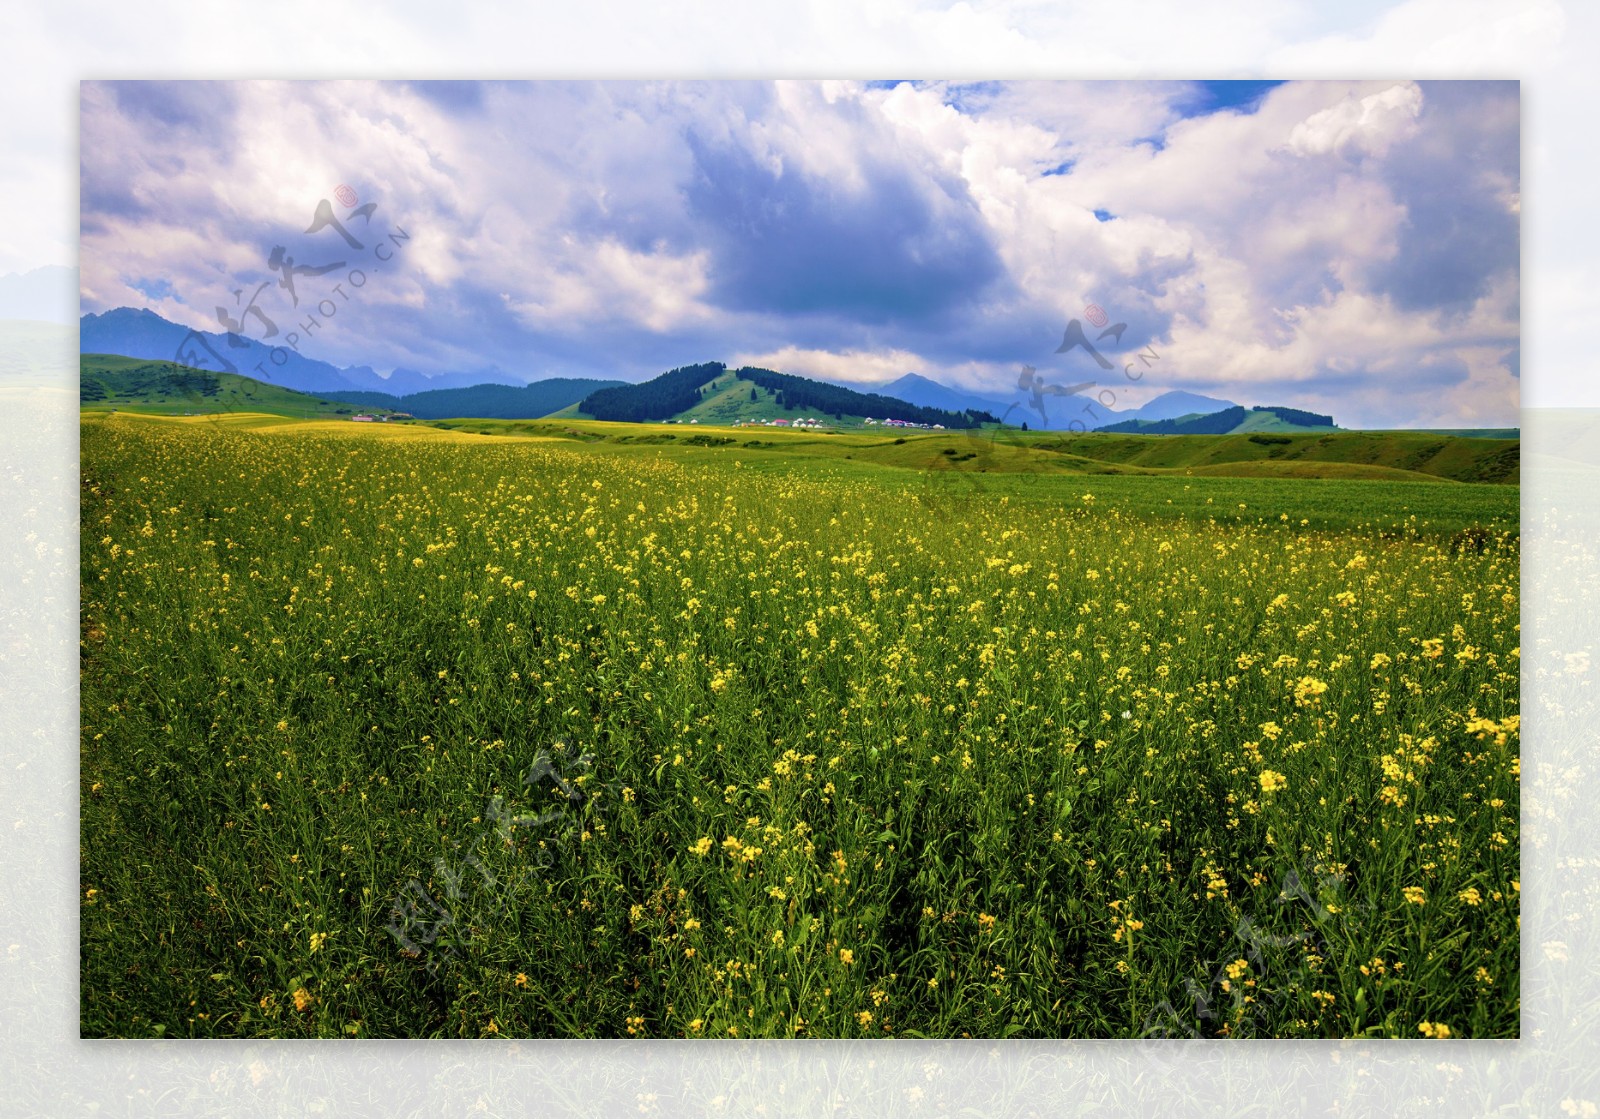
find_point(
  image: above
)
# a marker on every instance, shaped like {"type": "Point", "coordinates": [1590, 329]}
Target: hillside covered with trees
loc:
{"type": "Point", "coordinates": [489, 401]}
{"type": "Point", "coordinates": [679, 390]}
{"type": "Point", "coordinates": [835, 401]}
{"type": "Point", "coordinates": [1237, 418]}
{"type": "Point", "coordinates": [660, 398]}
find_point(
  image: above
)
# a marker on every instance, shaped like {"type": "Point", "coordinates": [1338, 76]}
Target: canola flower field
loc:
{"type": "Point", "coordinates": [420, 734]}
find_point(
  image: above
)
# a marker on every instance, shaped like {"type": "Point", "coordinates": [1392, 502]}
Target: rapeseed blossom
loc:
{"type": "Point", "coordinates": [795, 685]}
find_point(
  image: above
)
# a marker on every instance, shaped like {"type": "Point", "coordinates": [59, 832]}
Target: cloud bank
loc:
{"type": "Point", "coordinates": [1348, 247]}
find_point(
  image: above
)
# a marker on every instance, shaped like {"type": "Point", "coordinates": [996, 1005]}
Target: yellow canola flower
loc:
{"type": "Point", "coordinates": [1308, 691]}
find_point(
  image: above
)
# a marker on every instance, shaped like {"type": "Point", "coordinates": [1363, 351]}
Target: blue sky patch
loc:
{"type": "Point", "coordinates": [1213, 97]}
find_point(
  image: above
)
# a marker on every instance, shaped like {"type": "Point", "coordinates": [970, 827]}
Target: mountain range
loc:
{"type": "Point", "coordinates": [141, 333]}
{"type": "Point", "coordinates": [1229, 421]}
{"type": "Point", "coordinates": [716, 397]}
{"type": "Point", "coordinates": [1059, 412]}
{"type": "Point", "coordinates": [712, 393]}
{"type": "Point", "coordinates": [487, 402]}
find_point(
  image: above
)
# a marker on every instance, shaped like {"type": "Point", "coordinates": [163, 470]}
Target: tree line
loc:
{"type": "Point", "coordinates": [805, 395]}
{"type": "Point", "coordinates": [657, 399]}
{"type": "Point", "coordinates": [1296, 416]}
{"type": "Point", "coordinates": [488, 401]}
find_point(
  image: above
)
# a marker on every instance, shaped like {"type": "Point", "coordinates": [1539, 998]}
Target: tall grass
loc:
{"type": "Point", "coordinates": [426, 737]}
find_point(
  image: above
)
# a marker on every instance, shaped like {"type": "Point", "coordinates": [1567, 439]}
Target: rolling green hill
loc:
{"type": "Point", "coordinates": [717, 398]}
{"type": "Point", "coordinates": [1478, 433]}
{"type": "Point", "coordinates": [112, 381]}
{"type": "Point", "coordinates": [711, 393]}
{"type": "Point", "coordinates": [729, 399]}
{"type": "Point", "coordinates": [1418, 457]}
{"type": "Point", "coordinates": [499, 402]}
{"type": "Point", "coordinates": [1229, 421]}
{"type": "Point", "coordinates": [1301, 454]}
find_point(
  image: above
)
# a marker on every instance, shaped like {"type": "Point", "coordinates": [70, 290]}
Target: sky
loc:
{"type": "Point", "coordinates": [1349, 247]}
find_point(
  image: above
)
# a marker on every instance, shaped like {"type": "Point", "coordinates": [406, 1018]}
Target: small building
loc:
{"type": "Point", "coordinates": [363, 418]}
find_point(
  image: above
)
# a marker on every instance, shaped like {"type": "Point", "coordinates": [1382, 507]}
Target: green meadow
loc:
{"type": "Point", "coordinates": [561, 728]}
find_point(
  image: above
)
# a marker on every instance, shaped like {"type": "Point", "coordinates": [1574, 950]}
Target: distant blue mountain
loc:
{"type": "Point", "coordinates": [141, 333]}
{"type": "Point", "coordinates": [915, 389]}
{"type": "Point", "coordinates": [1170, 406]}
{"type": "Point", "coordinates": [1009, 403]}
{"type": "Point", "coordinates": [144, 334]}
{"type": "Point", "coordinates": [490, 402]}
{"type": "Point", "coordinates": [403, 382]}
{"type": "Point", "coordinates": [1016, 405]}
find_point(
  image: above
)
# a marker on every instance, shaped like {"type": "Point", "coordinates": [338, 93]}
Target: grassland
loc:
{"type": "Point", "coordinates": [111, 382]}
{"type": "Point", "coordinates": [953, 461]}
{"type": "Point", "coordinates": [574, 729]}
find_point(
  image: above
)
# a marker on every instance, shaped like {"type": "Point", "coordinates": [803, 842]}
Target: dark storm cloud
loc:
{"type": "Point", "coordinates": [177, 124]}
{"type": "Point", "coordinates": [901, 247]}
{"type": "Point", "coordinates": [183, 109]}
